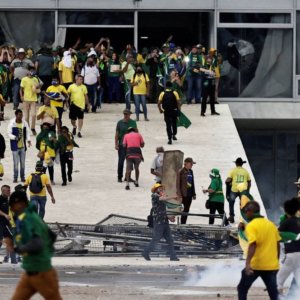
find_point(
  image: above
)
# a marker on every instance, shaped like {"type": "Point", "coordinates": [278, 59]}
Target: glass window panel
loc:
{"type": "Point", "coordinates": [257, 63]}
{"type": "Point", "coordinates": [96, 18]}
{"type": "Point", "coordinates": [298, 44]}
{"type": "Point", "coordinates": [258, 145]}
{"type": "Point", "coordinates": [255, 18]}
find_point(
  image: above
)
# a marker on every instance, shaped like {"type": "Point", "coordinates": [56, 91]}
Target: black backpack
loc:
{"type": "Point", "coordinates": [169, 102]}
{"type": "Point", "coordinates": [36, 185]}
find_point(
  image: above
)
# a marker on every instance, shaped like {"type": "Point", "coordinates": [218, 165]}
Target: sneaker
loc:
{"type": "Point", "coordinates": [79, 134]}
{"type": "Point", "coordinates": [215, 113]}
{"type": "Point", "coordinates": [146, 119]}
{"type": "Point", "coordinates": [174, 259]}
{"type": "Point", "coordinates": [64, 184]}
{"type": "Point", "coordinates": [146, 256]}
{"type": "Point", "coordinates": [74, 131]}
{"type": "Point", "coordinates": [5, 259]}
{"type": "Point", "coordinates": [119, 179]}
{"type": "Point", "coordinates": [136, 184]}
{"type": "Point", "coordinates": [33, 131]}
{"type": "Point", "coordinates": [202, 114]}
{"type": "Point", "coordinates": [70, 178]}
{"type": "Point", "coordinates": [174, 138]}
{"type": "Point", "coordinates": [127, 187]}
{"type": "Point", "coordinates": [170, 142]}
{"type": "Point", "coordinates": [231, 219]}
{"type": "Point", "coordinates": [23, 179]}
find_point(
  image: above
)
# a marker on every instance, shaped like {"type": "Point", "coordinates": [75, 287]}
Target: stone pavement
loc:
{"type": "Point", "coordinates": [212, 141]}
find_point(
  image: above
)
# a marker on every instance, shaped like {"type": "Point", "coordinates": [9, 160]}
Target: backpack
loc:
{"type": "Point", "coordinates": [36, 185]}
{"type": "Point", "coordinates": [169, 102]}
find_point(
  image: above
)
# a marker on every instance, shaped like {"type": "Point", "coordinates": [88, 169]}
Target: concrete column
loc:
{"type": "Point", "coordinates": [136, 39]}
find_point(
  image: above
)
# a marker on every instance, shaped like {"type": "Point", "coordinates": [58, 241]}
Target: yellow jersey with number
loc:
{"type": "Point", "coordinates": [238, 175]}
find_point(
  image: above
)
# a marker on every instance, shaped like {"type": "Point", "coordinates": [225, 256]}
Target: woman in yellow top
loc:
{"type": "Point", "coordinates": [46, 143]}
{"type": "Point", "coordinates": [140, 84]}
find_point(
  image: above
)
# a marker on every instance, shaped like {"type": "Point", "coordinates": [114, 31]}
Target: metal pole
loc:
{"type": "Point", "coordinates": [136, 29]}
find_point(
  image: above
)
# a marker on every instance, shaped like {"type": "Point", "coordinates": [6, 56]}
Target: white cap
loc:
{"type": "Point", "coordinates": [93, 52]}
{"type": "Point", "coordinates": [21, 50]}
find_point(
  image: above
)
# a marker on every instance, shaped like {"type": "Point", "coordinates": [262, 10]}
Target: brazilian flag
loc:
{"type": "Point", "coordinates": [182, 120]}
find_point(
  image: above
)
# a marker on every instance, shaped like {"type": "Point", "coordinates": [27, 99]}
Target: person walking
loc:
{"type": "Point", "coordinates": [140, 84]}
{"type": "Point", "coordinates": [263, 253]}
{"type": "Point", "coordinates": [236, 176]}
{"type": "Point", "coordinates": [133, 142]}
{"type": "Point", "coordinates": [66, 69]}
{"type": "Point", "coordinates": [30, 87]}
{"type": "Point", "coordinates": [37, 183]}
{"type": "Point", "coordinates": [128, 70]}
{"type": "Point", "coordinates": [157, 164]}
{"type": "Point", "coordinates": [19, 134]}
{"type": "Point", "coordinates": [291, 262]}
{"type": "Point", "coordinates": [161, 227]}
{"type": "Point", "coordinates": [78, 100]}
{"type": "Point", "coordinates": [215, 196]}
{"type": "Point", "coordinates": [169, 105]}
{"type": "Point", "coordinates": [34, 241]}
{"type": "Point", "coordinates": [185, 186]}
{"type": "Point", "coordinates": [113, 78]}
{"type": "Point", "coordinates": [121, 130]}
{"type": "Point", "coordinates": [66, 145]}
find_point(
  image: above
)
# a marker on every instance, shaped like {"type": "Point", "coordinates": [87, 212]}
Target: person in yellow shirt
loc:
{"type": "Point", "coordinates": [66, 69]}
{"type": "Point", "coordinates": [140, 84]}
{"type": "Point", "coordinates": [48, 114]}
{"type": "Point", "coordinates": [58, 96]}
{"type": "Point", "coordinates": [263, 253]}
{"type": "Point", "coordinates": [236, 176]}
{"type": "Point", "coordinates": [78, 100]}
{"type": "Point", "coordinates": [30, 88]}
{"type": "Point", "coordinates": [37, 183]}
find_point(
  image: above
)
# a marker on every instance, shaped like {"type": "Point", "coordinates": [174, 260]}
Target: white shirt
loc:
{"type": "Point", "coordinates": [90, 74]}
{"type": "Point", "coordinates": [157, 165]}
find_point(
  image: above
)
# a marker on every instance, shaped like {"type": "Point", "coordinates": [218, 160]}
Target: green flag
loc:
{"type": "Point", "coordinates": [183, 120]}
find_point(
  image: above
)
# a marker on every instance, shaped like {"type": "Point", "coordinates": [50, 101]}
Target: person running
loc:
{"type": "Point", "coordinates": [140, 84]}
{"type": "Point", "coordinates": [34, 241]}
{"type": "Point", "coordinates": [169, 105]}
{"type": "Point", "coordinates": [66, 145]}
{"type": "Point", "coordinates": [121, 130]}
{"type": "Point", "coordinates": [19, 134]}
{"type": "Point", "coordinates": [263, 253]}
{"type": "Point", "coordinates": [216, 196]}
{"type": "Point", "coordinates": [161, 227]}
{"type": "Point", "coordinates": [78, 100]}
{"type": "Point", "coordinates": [133, 142]}
{"type": "Point", "coordinates": [37, 183]}
{"type": "Point", "coordinates": [291, 263]}
{"type": "Point", "coordinates": [236, 176]}
{"type": "Point", "coordinates": [185, 186]}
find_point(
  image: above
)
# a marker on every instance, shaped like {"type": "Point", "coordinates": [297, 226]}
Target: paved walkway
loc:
{"type": "Point", "coordinates": [213, 142]}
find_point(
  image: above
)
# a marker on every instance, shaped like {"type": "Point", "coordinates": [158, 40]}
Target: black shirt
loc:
{"type": "Point", "coordinates": [4, 208]}
{"type": "Point", "coordinates": [153, 67]}
{"type": "Point", "coordinates": [291, 225]}
{"type": "Point", "coordinates": [159, 210]}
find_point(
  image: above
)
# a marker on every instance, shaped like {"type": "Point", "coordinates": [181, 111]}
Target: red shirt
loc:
{"type": "Point", "coordinates": [133, 140]}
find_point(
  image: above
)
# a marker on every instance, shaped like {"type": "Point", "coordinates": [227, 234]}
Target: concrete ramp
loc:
{"type": "Point", "coordinates": [212, 141]}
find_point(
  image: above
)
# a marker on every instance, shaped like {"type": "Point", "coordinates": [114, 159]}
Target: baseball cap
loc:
{"type": "Point", "coordinates": [189, 160]}
{"type": "Point", "coordinates": [21, 50]}
{"type": "Point", "coordinates": [39, 165]}
{"type": "Point", "coordinates": [155, 187]}
{"type": "Point", "coordinates": [127, 111]}
{"type": "Point", "coordinates": [215, 173]}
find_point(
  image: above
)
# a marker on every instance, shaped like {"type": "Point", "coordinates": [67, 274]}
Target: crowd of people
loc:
{"type": "Point", "coordinates": [47, 83]}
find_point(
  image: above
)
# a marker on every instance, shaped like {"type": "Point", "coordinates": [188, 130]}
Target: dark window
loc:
{"type": "Point", "coordinates": [255, 18]}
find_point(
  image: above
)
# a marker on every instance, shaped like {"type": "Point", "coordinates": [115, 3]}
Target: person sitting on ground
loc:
{"type": "Point", "coordinates": [37, 183]}
{"type": "Point", "coordinates": [157, 164]}
{"type": "Point", "coordinates": [216, 196]}
{"type": "Point", "coordinates": [161, 227]}
{"type": "Point", "coordinates": [133, 142]}
{"type": "Point", "coordinates": [66, 144]}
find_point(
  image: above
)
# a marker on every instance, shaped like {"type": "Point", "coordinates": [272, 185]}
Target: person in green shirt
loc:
{"type": "Point", "coordinates": [114, 71]}
{"type": "Point", "coordinates": [34, 241]}
{"type": "Point", "coordinates": [121, 130]}
{"type": "Point", "coordinates": [215, 196]}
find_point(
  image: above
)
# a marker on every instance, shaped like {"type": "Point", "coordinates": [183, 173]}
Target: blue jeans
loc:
{"type": "Point", "coordinates": [140, 99]}
{"type": "Point", "coordinates": [92, 94]}
{"type": "Point", "coordinates": [269, 279]}
{"type": "Point", "coordinates": [16, 92]}
{"type": "Point", "coordinates": [194, 88]}
{"type": "Point", "coordinates": [159, 231]}
{"type": "Point", "coordinates": [128, 97]}
{"type": "Point", "coordinates": [40, 203]}
{"type": "Point", "coordinates": [114, 90]}
{"type": "Point", "coordinates": [99, 97]}
{"type": "Point", "coordinates": [122, 156]}
{"type": "Point", "coordinates": [19, 157]}
{"type": "Point", "coordinates": [232, 198]}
